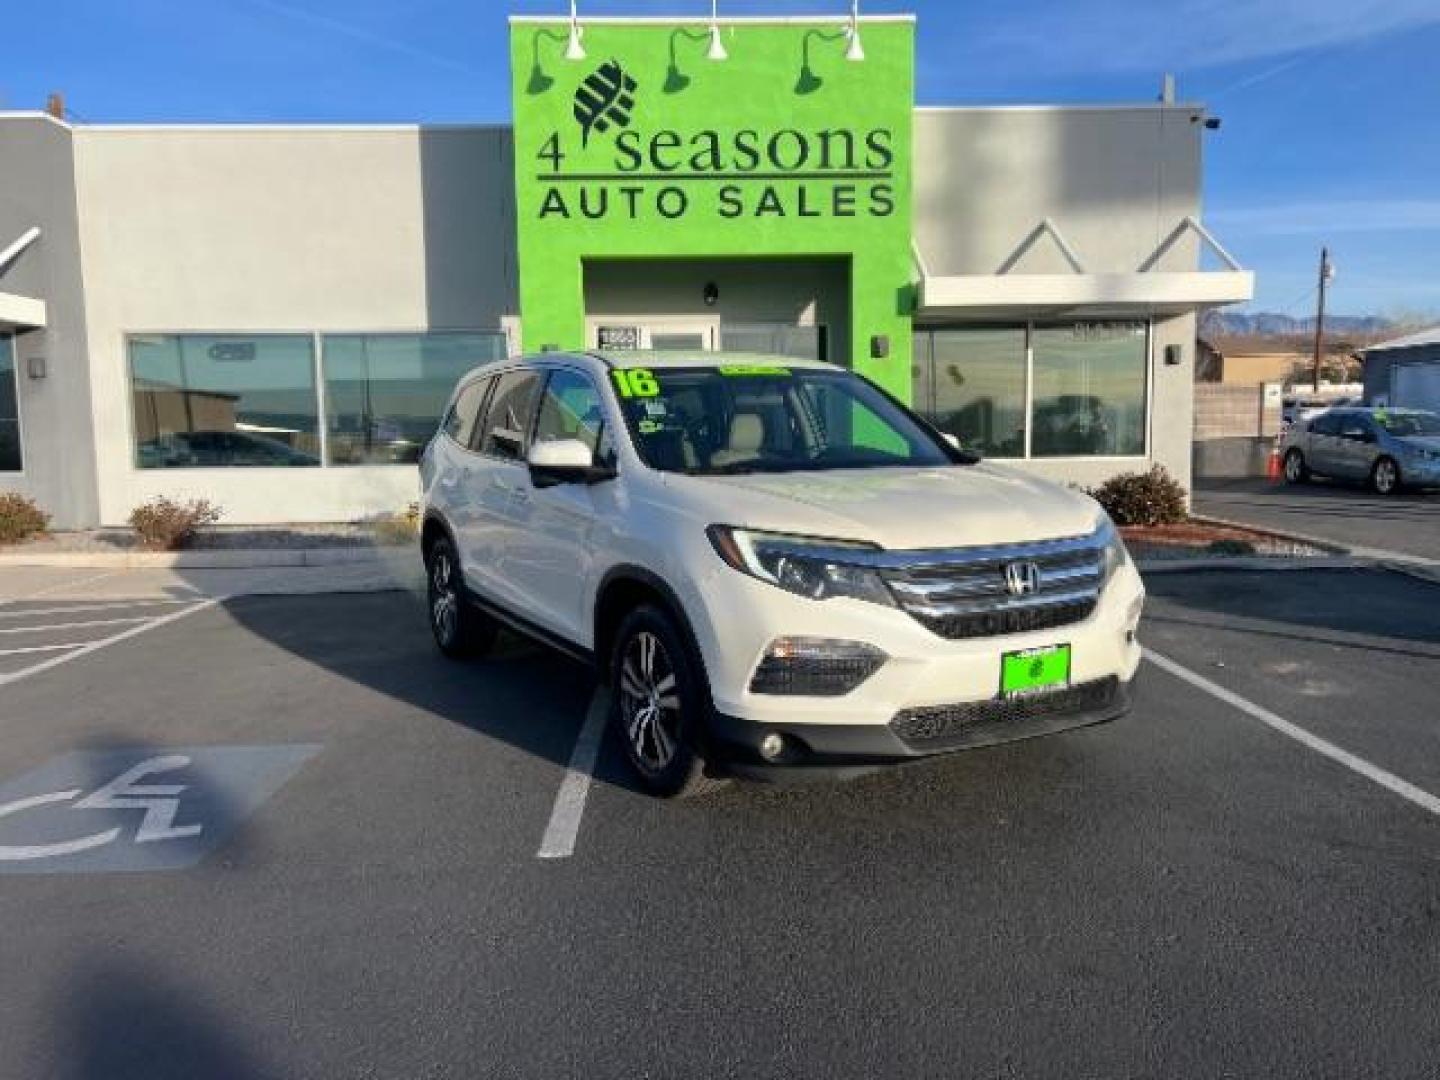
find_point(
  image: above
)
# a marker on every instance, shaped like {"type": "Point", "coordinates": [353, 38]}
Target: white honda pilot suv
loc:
{"type": "Point", "coordinates": [773, 564]}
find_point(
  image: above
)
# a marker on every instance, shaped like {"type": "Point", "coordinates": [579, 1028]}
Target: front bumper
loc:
{"type": "Point", "coordinates": [913, 734]}
{"type": "Point", "coordinates": [1420, 472]}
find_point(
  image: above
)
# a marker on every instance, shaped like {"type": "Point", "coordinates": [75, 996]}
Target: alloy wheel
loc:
{"type": "Point", "coordinates": [1293, 466]}
{"type": "Point", "coordinates": [1386, 476]}
{"type": "Point", "coordinates": [650, 702]}
{"type": "Point", "coordinates": [444, 603]}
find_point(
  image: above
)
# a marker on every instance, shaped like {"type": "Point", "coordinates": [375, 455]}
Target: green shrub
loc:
{"type": "Point", "coordinates": [166, 525]}
{"type": "Point", "coordinates": [20, 518]}
{"type": "Point", "coordinates": [1149, 498]}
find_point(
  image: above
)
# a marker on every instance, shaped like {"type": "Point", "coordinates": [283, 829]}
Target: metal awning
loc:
{"type": "Point", "coordinates": [1145, 290]}
{"type": "Point", "coordinates": [19, 312]}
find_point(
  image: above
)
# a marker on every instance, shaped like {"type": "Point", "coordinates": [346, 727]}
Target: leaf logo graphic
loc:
{"type": "Point", "coordinates": [604, 100]}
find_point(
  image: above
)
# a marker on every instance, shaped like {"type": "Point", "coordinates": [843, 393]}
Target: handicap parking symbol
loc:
{"type": "Point", "coordinates": [136, 809]}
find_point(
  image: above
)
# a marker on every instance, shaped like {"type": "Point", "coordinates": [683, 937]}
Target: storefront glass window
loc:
{"type": "Point", "coordinates": [1089, 389]}
{"type": "Point", "coordinates": [205, 400]}
{"type": "Point", "coordinates": [973, 385]}
{"type": "Point", "coordinates": [1088, 384]}
{"type": "Point", "coordinates": [384, 393]}
{"type": "Point", "coordinates": [9, 407]}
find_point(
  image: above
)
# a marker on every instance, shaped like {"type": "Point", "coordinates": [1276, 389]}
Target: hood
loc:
{"type": "Point", "coordinates": [957, 506]}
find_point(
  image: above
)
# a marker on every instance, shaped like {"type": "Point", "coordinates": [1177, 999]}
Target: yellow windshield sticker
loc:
{"type": "Point", "coordinates": [743, 370]}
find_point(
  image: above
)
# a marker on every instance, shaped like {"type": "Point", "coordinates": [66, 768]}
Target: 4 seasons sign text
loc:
{"type": "Point", "coordinates": [611, 168]}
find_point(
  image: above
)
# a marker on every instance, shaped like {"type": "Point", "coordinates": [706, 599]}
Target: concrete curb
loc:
{"type": "Point", "coordinates": [1254, 562]}
{"type": "Point", "coordinates": [1366, 558]}
{"type": "Point", "coordinates": [1330, 546]}
{"type": "Point", "coordinates": [235, 559]}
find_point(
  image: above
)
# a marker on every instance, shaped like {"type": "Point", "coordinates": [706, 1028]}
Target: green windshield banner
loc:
{"type": "Point", "coordinates": [647, 149]}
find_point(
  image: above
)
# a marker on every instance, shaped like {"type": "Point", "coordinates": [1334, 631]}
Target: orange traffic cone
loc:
{"type": "Point", "coordinates": [1272, 467]}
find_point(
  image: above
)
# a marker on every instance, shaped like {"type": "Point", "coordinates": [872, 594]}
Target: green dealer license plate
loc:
{"type": "Point", "coordinates": [1034, 670]}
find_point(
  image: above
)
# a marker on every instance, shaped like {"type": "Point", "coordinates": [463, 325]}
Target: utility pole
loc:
{"type": "Point", "coordinates": [1326, 273]}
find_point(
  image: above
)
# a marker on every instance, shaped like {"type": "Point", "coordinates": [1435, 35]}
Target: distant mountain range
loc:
{"type": "Point", "coordinates": [1275, 324]}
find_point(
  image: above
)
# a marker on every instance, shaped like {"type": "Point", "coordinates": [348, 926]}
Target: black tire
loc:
{"type": "Point", "coordinates": [658, 704]}
{"type": "Point", "coordinates": [460, 631]}
{"type": "Point", "coordinates": [1385, 478]}
{"type": "Point", "coordinates": [1296, 471]}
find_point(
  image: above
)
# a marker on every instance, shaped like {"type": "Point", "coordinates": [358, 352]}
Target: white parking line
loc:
{"type": "Point", "coordinates": [71, 625]}
{"type": "Point", "coordinates": [111, 606]}
{"type": "Point", "coordinates": [559, 839]}
{"type": "Point", "coordinates": [40, 648]}
{"type": "Point", "coordinates": [93, 646]}
{"type": "Point", "coordinates": [1374, 773]}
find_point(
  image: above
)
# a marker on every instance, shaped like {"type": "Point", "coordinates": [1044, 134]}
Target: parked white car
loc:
{"type": "Point", "coordinates": [775, 565]}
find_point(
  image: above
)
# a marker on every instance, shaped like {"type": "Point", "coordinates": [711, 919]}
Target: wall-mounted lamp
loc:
{"type": "Point", "coordinates": [855, 51]}
{"type": "Point", "coordinates": [717, 46]}
{"type": "Point", "coordinates": [575, 48]}
{"type": "Point", "coordinates": [711, 294]}
{"type": "Point", "coordinates": [35, 367]}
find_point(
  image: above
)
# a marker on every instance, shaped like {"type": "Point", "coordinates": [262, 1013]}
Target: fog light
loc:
{"type": "Point", "coordinates": [772, 747]}
{"type": "Point", "coordinates": [815, 667]}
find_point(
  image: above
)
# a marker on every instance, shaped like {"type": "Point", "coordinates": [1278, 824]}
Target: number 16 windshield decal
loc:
{"type": "Point", "coordinates": [636, 383]}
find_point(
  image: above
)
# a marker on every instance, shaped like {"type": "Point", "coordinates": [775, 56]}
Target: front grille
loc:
{"type": "Point", "coordinates": [938, 727]}
{"type": "Point", "coordinates": [964, 593]}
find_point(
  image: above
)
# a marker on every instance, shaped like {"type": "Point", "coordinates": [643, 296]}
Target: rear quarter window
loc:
{"type": "Point", "coordinates": [460, 423]}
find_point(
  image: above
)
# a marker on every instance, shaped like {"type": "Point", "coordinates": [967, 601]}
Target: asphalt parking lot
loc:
{"type": "Point", "coordinates": [1347, 514]}
{"type": "Point", "coordinates": [1195, 890]}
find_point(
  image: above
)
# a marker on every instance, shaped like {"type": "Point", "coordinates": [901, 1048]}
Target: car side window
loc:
{"type": "Point", "coordinates": [460, 424]}
{"type": "Point", "coordinates": [507, 422]}
{"type": "Point", "coordinates": [570, 409]}
{"type": "Point", "coordinates": [1325, 424]}
{"type": "Point", "coordinates": [1355, 426]}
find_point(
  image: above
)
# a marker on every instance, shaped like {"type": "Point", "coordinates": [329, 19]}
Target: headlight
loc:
{"type": "Point", "coordinates": [1115, 554]}
{"type": "Point", "coordinates": [816, 569]}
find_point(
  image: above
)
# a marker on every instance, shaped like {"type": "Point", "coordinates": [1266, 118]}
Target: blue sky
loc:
{"type": "Point", "coordinates": [1331, 108]}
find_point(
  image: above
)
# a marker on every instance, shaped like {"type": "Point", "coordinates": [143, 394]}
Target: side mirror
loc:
{"type": "Point", "coordinates": [565, 461]}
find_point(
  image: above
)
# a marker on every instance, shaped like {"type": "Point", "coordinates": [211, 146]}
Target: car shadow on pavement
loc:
{"type": "Point", "coordinates": [522, 694]}
{"type": "Point", "coordinates": [126, 1021]}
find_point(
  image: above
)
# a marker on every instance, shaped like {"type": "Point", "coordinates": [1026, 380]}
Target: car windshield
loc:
{"type": "Point", "coordinates": [748, 418]}
{"type": "Point", "coordinates": [1409, 423]}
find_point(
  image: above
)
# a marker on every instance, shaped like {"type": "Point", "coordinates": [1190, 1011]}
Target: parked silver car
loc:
{"type": "Point", "coordinates": [1388, 448]}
